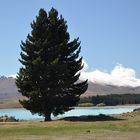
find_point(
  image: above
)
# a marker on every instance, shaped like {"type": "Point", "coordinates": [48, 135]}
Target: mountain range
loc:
{"type": "Point", "coordinates": [8, 89]}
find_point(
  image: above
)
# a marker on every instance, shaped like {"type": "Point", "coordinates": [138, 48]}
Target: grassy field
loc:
{"type": "Point", "coordinates": [127, 128]}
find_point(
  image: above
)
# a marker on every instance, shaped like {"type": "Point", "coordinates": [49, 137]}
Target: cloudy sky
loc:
{"type": "Point", "coordinates": [118, 76]}
{"type": "Point", "coordinates": [109, 31]}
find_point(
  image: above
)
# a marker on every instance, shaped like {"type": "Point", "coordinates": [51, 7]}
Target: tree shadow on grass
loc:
{"type": "Point", "coordinates": [88, 118]}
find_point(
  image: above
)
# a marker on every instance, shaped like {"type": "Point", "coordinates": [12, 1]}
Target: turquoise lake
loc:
{"type": "Point", "coordinates": [23, 114]}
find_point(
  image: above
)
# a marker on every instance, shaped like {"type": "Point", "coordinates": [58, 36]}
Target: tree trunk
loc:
{"type": "Point", "coordinates": [47, 117]}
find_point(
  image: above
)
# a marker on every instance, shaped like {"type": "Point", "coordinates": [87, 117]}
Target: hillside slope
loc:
{"type": "Point", "coordinates": [8, 89]}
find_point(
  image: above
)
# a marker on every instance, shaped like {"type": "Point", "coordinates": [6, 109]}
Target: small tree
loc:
{"type": "Point", "coordinates": [51, 67]}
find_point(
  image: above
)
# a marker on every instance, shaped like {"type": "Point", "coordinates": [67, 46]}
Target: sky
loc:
{"type": "Point", "coordinates": [109, 31]}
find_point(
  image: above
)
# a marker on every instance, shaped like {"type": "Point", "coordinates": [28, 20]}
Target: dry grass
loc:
{"type": "Point", "coordinates": [104, 135]}
{"type": "Point", "coordinates": [126, 129]}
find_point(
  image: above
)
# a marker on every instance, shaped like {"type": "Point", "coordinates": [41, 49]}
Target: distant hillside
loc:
{"type": "Point", "coordinates": [8, 89]}
{"type": "Point", "coordinates": [96, 88]}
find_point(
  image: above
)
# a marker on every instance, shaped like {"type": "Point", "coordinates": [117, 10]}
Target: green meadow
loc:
{"type": "Point", "coordinates": [124, 127]}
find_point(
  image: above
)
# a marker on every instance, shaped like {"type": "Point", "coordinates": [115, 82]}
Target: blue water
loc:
{"type": "Point", "coordinates": [23, 114]}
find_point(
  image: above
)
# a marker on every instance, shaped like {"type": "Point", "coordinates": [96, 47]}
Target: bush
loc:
{"type": "Point", "coordinates": [8, 119]}
{"type": "Point", "coordinates": [85, 104]}
{"type": "Point", "coordinates": [100, 105]}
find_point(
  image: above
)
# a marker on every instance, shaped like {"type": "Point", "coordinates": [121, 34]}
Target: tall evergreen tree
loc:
{"type": "Point", "coordinates": [51, 67]}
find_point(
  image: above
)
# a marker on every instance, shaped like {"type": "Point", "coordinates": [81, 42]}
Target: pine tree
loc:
{"type": "Point", "coordinates": [51, 67]}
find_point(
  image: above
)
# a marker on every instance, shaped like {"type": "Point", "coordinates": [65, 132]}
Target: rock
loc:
{"type": "Point", "coordinates": [137, 109]}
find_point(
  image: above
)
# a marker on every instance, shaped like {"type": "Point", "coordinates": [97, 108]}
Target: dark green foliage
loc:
{"type": "Point", "coordinates": [116, 99]}
{"type": "Point", "coordinates": [85, 100]}
{"type": "Point", "coordinates": [51, 67]}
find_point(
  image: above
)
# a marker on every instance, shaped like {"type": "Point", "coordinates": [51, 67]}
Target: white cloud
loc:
{"type": "Point", "coordinates": [13, 75]}
{"type": "Point", "coordinates": [85, 68]}
{"type": "Point", "coordinates": [119, 76]}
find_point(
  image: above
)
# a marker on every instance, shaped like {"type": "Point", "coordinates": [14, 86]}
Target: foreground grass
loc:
{"type": "Point", "coordinates": [104, 130]}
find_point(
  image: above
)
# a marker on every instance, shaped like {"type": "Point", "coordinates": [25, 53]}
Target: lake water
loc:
{"type": "Point", "coordinates": [23, 114]}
